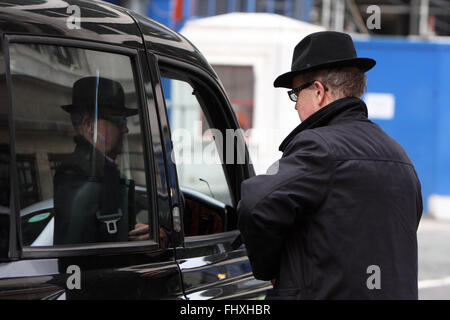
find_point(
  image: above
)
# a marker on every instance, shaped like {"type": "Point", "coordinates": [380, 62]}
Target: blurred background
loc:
{"type": "Point", "coordinates": [250, 42]}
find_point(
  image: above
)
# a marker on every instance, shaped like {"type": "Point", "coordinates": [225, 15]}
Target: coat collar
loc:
{"type": "Point", "coordinates": [91, 159]}
{"type": "Point", "coordinates": [341, 110]}
{"type": "Point", "coordinates": [83, 146]}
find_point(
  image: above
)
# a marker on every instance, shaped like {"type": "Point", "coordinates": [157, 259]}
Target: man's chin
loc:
{"type": "Point", "coordinates": [114, 153]}
{"type": "Point", "coordinates": [117, 150]}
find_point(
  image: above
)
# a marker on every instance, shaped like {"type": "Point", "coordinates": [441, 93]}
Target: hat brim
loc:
{"type": "Point", "coordinates": [285, 80]}
{"type": "Point", "coordinates": [127, 112]}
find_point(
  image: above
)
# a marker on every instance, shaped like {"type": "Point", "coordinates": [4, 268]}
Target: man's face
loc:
{"type": "Point", "coordinates": [110, 133]}
{"type": "Point", "coordinates": [306, 103]}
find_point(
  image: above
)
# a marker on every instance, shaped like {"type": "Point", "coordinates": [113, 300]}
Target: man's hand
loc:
{"type": "Point", "coordinates": [140, 232]}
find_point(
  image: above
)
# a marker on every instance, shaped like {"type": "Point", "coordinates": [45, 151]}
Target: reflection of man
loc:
{"type": "Point", "coordinates": [339, 218]}
{"type": "Point", "coordinates": [93, 203]}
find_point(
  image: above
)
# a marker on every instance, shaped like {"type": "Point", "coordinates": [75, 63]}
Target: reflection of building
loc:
{"type": "Point", "coordinates": [28, 178]}
{"type": "Point", "coordinates": [4, 174]}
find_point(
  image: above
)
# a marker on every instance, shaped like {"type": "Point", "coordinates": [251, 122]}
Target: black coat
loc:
{"type": "Point", "coordinates": [88, 187]}
{"type": "Point", "coordinates": [339, 218]}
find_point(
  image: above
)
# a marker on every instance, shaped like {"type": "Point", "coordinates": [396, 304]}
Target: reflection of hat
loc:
{"type": "Point", "coordinates": [95, 92]}
{"type": "Point", "coordinates": [322, 50]}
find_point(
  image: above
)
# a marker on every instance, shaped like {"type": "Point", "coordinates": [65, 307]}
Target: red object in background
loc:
{"type": "Point", "coordinates": [431, 23]}
{"type": "Point", "coordinates": [242, 119]}
{"type": "Point", "coordinates": [178, 11]}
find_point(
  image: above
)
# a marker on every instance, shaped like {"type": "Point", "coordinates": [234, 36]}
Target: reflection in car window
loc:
{"type": "Point", "coordinates": [5, 183]}
{"type": "Point", "coordinates": [79, 148]}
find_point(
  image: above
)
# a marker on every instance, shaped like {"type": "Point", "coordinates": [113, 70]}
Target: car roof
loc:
{"type": "Point", "coordinates": [99, 21]}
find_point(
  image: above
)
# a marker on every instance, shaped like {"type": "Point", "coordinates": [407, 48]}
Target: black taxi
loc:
{"type": "Point", "coordinates": [159, 220]}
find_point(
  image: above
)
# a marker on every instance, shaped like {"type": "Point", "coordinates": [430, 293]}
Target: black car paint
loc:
{"type": "Point", "coordinates": [200, 267]}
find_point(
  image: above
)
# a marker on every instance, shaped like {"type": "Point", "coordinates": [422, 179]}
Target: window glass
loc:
{"type": "Point", "coordinates": [198, 131]}
{"type": "Point", "coordinates": [195, 152]}
{"type": "Point", "coordinates": [5, 183]}
{"type": "Point", "coordinates": [79, 147]}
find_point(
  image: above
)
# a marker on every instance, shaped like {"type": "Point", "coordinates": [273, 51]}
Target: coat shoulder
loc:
{"type": "Point", "coordinates": [310, 138]}
{"type": "Point", "coordinates": [75, 164]}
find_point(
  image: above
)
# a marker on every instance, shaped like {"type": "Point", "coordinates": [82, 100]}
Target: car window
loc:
{"type": "Point", "coordinates": [197, 155]}
{"type": "Point", "coordinates": [79, 146]}
{"type": "Point", "coordinates": [5, 169]}
{"type": "Point", "coordinates": [195, 152]}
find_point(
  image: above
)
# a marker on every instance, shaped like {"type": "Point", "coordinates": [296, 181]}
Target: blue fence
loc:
{"type": "Point", "coordinates": [417, 74]}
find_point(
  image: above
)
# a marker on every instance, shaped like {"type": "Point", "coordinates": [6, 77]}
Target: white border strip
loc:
{"type": "Point", "coordinates": [434, 283]}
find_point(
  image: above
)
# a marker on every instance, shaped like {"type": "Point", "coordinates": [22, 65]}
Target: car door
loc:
{"type": "Point", "coordinates": [208, 161]}
{"type": "Point", "coordinates": [41, 142]}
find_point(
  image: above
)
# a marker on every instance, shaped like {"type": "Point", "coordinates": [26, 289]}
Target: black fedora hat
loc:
{"type": "Point", "coordinates": [105, 94]}
{"type": "Point", "coordinates": [322, 50]}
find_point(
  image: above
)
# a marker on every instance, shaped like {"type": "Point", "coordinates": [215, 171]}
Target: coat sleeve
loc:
{"type": "Point", "coordinates": [271, 204]}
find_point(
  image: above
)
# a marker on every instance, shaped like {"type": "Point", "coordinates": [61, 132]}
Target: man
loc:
{"type": "Point", "coordinates": [93, 203]}
{"type": "Point", "coordinates": [338, 219]}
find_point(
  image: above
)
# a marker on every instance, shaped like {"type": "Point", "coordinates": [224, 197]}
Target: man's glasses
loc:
{"type": "Point", "coordinates": [293, 94]}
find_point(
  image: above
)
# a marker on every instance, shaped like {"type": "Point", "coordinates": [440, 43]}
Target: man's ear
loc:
{"type": "Point", "coordinates": [87, 125]}
{"type": "Point", "coordinates": [320, 94]}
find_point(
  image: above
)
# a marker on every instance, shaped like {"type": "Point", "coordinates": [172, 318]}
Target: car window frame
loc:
{"type": "Point", "coordinates": [12, 253]}
{"type": "Point", "coordinates": [236, 172]}
{"type": "Point", "coordinates": [21, 251]}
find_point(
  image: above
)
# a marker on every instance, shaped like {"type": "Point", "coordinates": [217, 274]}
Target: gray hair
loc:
{"type": "Point", "coordinates": [77, 120]}
{"type": "Point", "coordinates": [342, 82]}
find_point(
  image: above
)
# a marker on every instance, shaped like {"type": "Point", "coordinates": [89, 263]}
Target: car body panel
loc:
{"type": "Point", "coordinates": [212, 269]}
{"type": "Point", "coordinates": [99, 21]}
